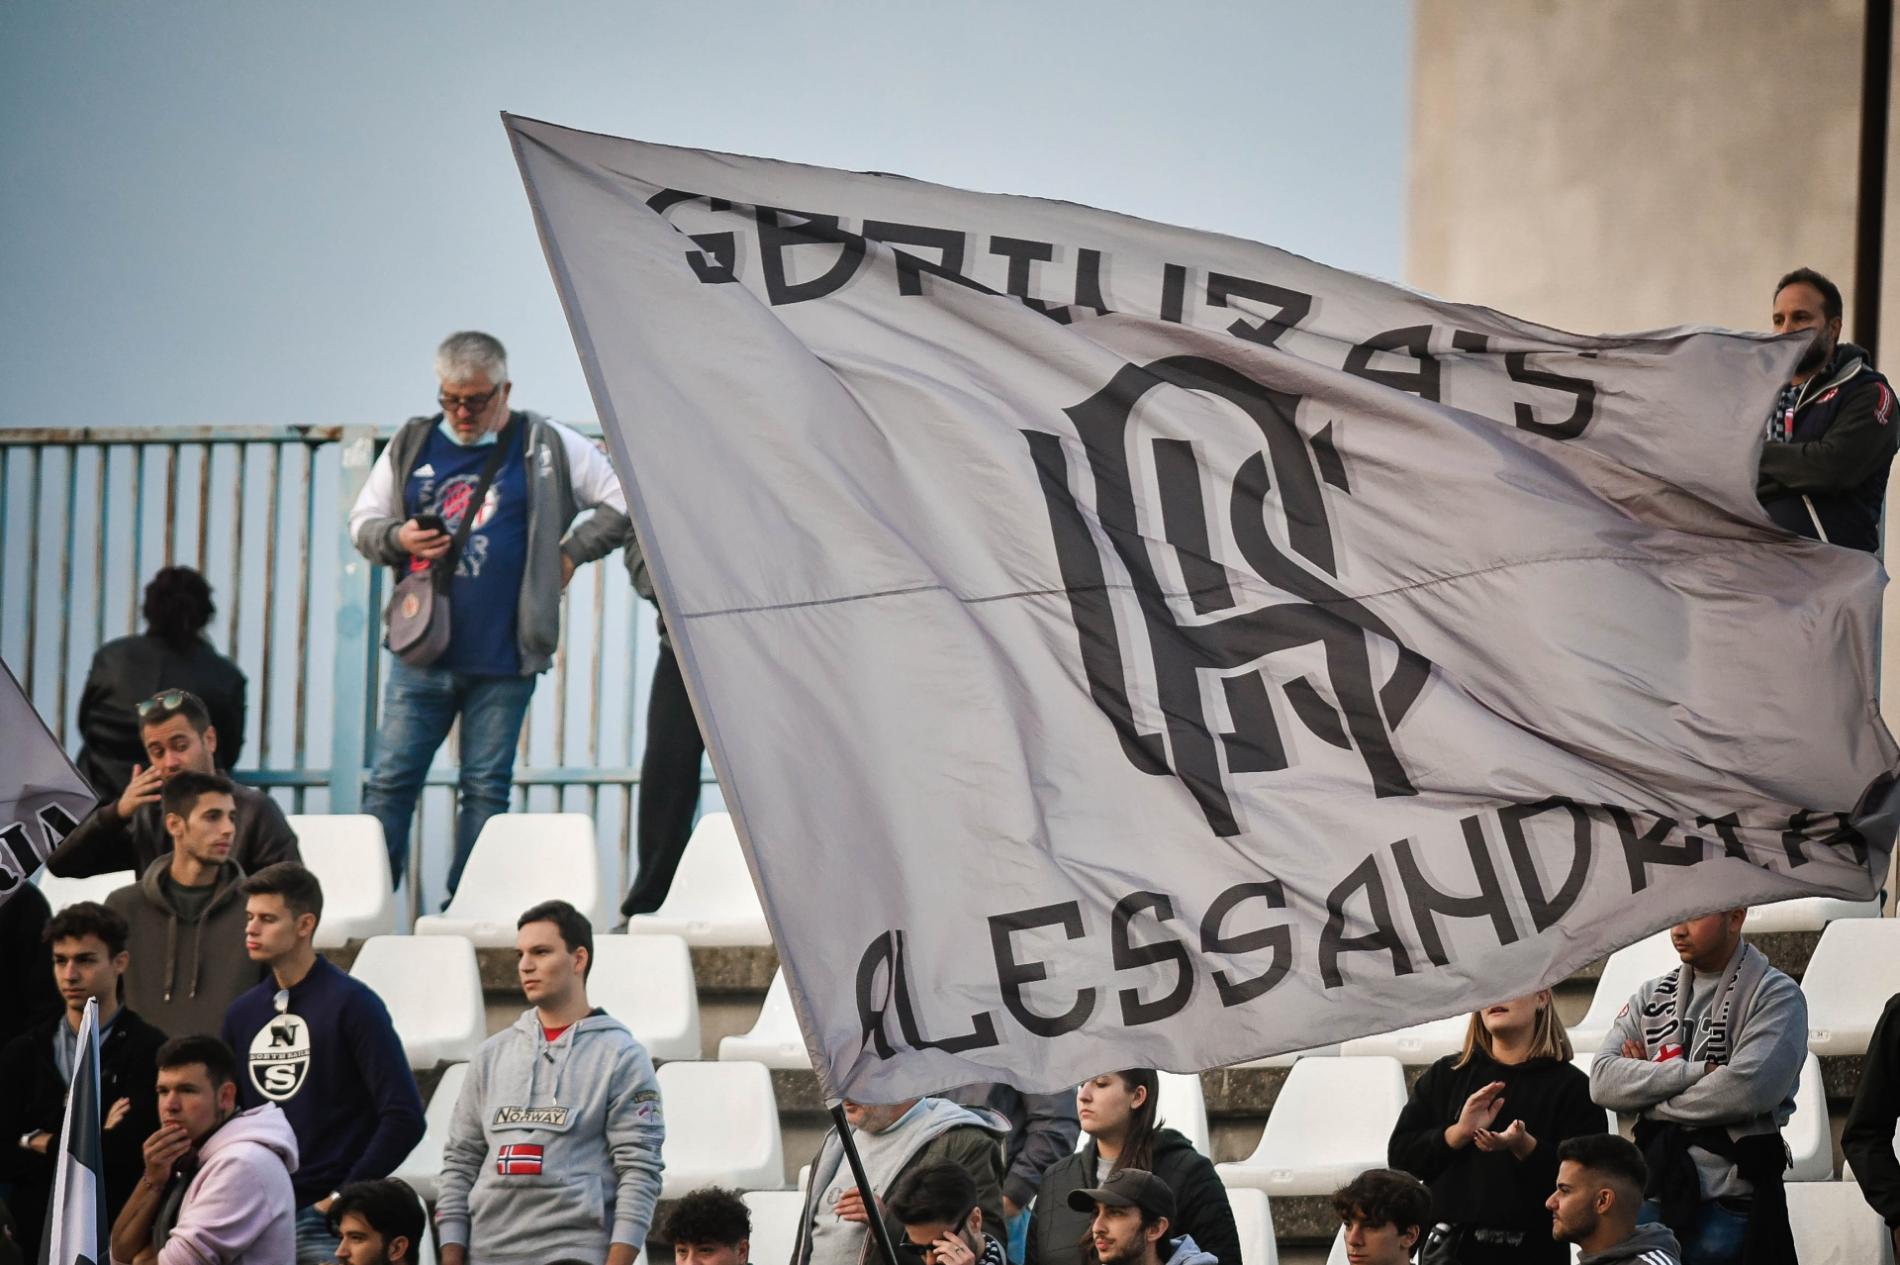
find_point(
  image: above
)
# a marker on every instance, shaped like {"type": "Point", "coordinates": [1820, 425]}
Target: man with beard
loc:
{"type": "Point", "coordinates": [1600, 1180]}
{"type": "Point", "coordinates": [1830, 437]}
{"type": "Point", "coordinates": [1132, 1211]}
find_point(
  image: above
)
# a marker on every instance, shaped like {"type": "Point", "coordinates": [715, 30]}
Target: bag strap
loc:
{"type": "Point", "coordinates": [492, 467]}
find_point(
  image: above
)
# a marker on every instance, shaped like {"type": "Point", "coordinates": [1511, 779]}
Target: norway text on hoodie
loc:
{"type": "Point", "coordinates": [554, 1147]}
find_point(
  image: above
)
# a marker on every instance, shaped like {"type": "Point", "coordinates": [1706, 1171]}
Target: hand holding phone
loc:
{"type": "Point", "coordinates": [425, 536]}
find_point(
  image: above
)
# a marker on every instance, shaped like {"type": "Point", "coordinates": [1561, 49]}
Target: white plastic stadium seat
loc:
{"type": "Point", "coordinates": [423, 1166]}
{"type": "Point", "coordinates": [1330, 1123]}
{"type": "Point", "coordinates": [1254, 1219]}
{"type": "Point", "coordinates": [774, 1039]}
{"type": "Point", "coordinates": [1582, 1062]}
{"type": "Point", "coordinates": [522, 859]}
{"type": "Point", "coordinates": [1183, 1108]}
{"type": "Point", "coordinates": [347, 854]}
{"type": "Point", "coordinates": [712, 901]}
{"type": "Point", "coordinates": [1854, 970]}
{"type": "Point", "coordinates": [1834, 1226]}
{"type": "Point", "coordinates": [646, 982]}
{"type": "Point", "coordinates": [425, 1246]}
{"type": "Point", "coordinates": [721, 1127]}
{"type": "Point", "coordinates": [1809, 913]}
{"type": "Point", "coordinates": [433, 990]}
{"type": "Point", "coordinates": [1626, 970]}
{"type": "Point", "coordinates": [774, 1224]}
{"type": "Point", "coordinates": [61, 892]}
{"type": "Point", "coordinates": [1420, 1043]}
{"type": "Point", "coordinates": [1810, 1144]}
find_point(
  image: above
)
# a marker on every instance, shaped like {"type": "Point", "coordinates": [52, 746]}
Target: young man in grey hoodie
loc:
{"type": "Point", "coordinates": [185, 915]}
{"type": "Point", "coordinates": [1709, 1055]}
{"type": "Point", "coordinates": [1132, 1213]}
{"type": "Point", "coordinates": [1600, 1180]}
{"type": "Point", "coordinates": [553, 1153]}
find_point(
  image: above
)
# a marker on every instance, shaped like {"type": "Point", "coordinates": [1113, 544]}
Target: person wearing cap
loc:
{"type": "Point", "coordinates": [1132, 1213]}
{"type": "Point", "coordinates": [943, 1225]}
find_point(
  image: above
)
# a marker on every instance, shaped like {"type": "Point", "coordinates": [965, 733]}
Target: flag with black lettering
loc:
{"type": "Point", "coordinates": [1125, 645]}
{"type": "Point", "coordinates": [42, 796]}
{"type": "Point", "coordinates": [76, 1231]}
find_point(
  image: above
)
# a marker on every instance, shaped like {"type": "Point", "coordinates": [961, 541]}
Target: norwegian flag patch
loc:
{"type": "Point", "coordinates": [1830, 395]}
{"type": "Point", "coordinates": [1883, 407]}
{"type": "Point", "coordinates": [519, 1159]}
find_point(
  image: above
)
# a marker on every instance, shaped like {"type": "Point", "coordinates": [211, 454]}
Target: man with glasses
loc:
{"type": "Point", "coordinates": [504, 593]}
{"type": "Point", "coordinates": [320, 1045]}
{"type": "Point", "coordinates": [129, 833]}
{"type": "Point", "coordinates": [937, 1205]}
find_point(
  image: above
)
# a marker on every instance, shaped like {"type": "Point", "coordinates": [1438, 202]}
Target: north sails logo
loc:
{"type": "Point", "coordinates": [280, 1057]}
{"type": "Point", "coordinates": [1310, 610]}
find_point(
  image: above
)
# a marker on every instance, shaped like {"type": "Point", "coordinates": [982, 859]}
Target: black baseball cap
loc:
{"type": "Point", "coordinates": [1130, 1188]}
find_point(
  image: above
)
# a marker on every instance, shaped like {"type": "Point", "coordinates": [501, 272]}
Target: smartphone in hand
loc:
{"type": "Point", "coordinates": [432, 522]}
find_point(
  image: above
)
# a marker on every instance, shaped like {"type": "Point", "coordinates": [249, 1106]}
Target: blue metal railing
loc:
{"type": "Point", "coordinates": [87, 514]}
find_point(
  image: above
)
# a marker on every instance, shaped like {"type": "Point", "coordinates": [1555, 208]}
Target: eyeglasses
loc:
{"type": "Point", "coordinates": [473, 403]}
{"type": "Point", "coordinates": [163, 701]}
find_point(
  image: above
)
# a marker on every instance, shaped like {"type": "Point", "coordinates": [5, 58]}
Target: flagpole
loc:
{"type": "Point", "coordinates": [872, 1213]}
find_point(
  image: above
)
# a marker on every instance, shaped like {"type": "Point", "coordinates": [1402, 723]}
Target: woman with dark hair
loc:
{"type": "Point", "coordinates": [171, 653]}
{"type": "Point", "coordinates": [1482, 1130]}
{"type": "Point", "coordinates": [1121, 1122]}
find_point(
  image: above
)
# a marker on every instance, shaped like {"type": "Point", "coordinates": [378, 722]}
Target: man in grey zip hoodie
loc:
{"type": "Point", "coordinates": [553, 1153]}
{"type": "Point", "coordinates": [504, 586]}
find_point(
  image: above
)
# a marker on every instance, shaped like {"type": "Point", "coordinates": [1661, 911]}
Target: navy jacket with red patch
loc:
{"type": "Point", "coordinates": [1829, 479]}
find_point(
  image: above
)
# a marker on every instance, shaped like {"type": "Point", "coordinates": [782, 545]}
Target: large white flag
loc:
{"type": "Point", "coordinates": [42, 796]}
{"type": "Point", "coordinates": [1123, 645]}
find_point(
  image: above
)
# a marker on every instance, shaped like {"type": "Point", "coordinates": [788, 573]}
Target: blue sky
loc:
{"type": "Point", "coordinates": [225, 212]}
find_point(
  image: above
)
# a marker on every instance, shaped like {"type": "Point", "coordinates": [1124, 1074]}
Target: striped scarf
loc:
{"type": "Point", "coordinates": [1663, 1010]}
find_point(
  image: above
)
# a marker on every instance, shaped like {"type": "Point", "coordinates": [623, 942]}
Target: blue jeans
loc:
{"type": "Point", "coordinates": [1714, 1238]}
{"type": "Point", "coordinates": [418, 708]}
{"type": "Point", "coordinates": [315, 1244]}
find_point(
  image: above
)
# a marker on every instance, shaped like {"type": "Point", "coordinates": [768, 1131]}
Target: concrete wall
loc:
{"type": "Point", "coordinates": [1605, 166]}
{"type": "Point", "coordinates": [1612, 165]}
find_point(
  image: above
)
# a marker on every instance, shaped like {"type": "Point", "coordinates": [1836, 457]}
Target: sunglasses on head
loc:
{"type": "Point", "coordinates": [163, 701]}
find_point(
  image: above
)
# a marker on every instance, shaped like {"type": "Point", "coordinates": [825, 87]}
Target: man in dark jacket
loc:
{"type": "Point", "coordinates": [171, 653]}
{"type": "Point", "coordinates": [186, 916]}
{"type": "Point", "coordinates": [1831, 435]}
{"type": "Point", "coordinates": [129, 833]}
{"type": "Point", "coordinates": [1867, 1138]}
{"type": "Point", "coordinates": [89, 955]}
{"type": "Point", "coordinates": [1042, 1129]}
{"type": "Point", "coordinates": [27, 992]}
{"type": "Point", "coordinates": [1202, 1210]}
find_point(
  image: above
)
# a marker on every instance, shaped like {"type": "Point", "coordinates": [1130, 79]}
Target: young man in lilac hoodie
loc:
{"type": "Point", "coordinates": [217, 1180]}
